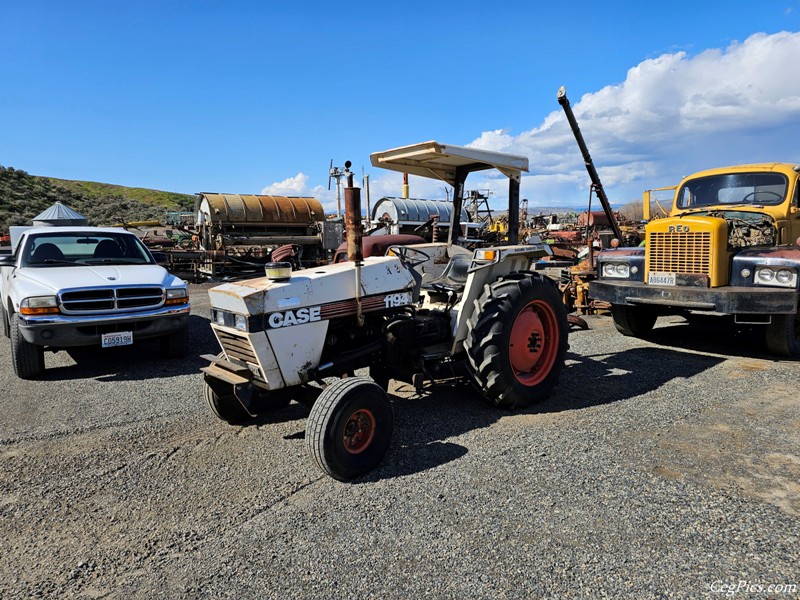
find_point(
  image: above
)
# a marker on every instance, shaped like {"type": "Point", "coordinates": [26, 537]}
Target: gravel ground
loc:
{"type": "Point", "coordinates": [667, 467]}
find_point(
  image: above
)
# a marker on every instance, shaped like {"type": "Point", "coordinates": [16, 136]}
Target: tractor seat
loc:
{"type": "Point", "coordinates": [454, 276]}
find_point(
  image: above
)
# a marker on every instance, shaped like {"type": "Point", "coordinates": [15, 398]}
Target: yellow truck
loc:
{"type": "Point", "coordinates": [729, 246]}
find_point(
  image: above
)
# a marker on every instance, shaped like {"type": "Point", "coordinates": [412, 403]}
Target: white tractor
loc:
{"type": "Point", "coordinates": [423, 313]}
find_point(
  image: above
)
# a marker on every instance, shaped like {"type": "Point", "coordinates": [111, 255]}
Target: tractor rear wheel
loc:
{"type": "Point", "coordinates": [634, 321]}
{"type": "Point", "coordinates": [517, 339]}
{"type": "Point", "coordinates": [783, 335]}
{"type": "Point", "coordinates": [350, 427]}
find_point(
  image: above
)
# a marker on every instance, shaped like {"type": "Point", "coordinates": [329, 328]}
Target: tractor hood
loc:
{"type": "Point", "coordinates": [312, 287]}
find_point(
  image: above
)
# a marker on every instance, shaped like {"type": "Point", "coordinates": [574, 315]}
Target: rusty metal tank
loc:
{"type": "Point", "coordinates": [245, 209]}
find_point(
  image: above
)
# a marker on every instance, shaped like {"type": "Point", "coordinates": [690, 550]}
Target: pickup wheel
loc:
{"type": "Point", "coordinates": [175, 344]}
{"type": "Point", "coordinates": [27, 358]}
{"type": "Point", "coordinates": [633, 321]}
{"type": "Point", "coordinates": [6, 327]}
{"type": "Point", "coordinates": [517, 340]}
{"type": "Point", "coordinates": [783, 335]}
{"type": "Point", "coordinates": [350, 427]}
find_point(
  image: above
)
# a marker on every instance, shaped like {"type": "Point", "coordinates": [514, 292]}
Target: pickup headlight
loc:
{"type": "Point", "coordinates": [39, 305]}
{"type": "Point", "coordinates": [177, 296]}
{"type": "Point", "coordinates": [619, 270]}
{"type": "Point", "coordinates": [776, 276]}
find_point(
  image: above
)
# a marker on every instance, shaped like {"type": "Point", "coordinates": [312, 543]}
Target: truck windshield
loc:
{"type": "Point", "coordinates": [61, 249]}
{"type": "Point", "coordinates": [733, 188]}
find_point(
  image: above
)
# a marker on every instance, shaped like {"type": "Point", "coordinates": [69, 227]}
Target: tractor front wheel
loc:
{"type": "Point", "coordinates": [517, 340]}
{"type": "Point", "coordinates": [350, 427]}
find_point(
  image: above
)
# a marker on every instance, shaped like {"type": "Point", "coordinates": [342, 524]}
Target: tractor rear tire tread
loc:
{"type": "Point", "coordinates": [488, 333]}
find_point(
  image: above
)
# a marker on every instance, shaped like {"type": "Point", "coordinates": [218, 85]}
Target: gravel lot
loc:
{"type": "Point", "coordinates": [668, 467]}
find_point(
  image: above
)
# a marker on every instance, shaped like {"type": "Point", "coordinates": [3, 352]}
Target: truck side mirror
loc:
{"type": "Point", "coordinates": [7, 260]}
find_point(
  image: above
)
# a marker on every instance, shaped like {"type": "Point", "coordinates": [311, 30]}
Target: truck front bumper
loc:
{"type": "Point", "coordinates": [726, 300]}
{"type": "Point", "coordinates": [62, 331]}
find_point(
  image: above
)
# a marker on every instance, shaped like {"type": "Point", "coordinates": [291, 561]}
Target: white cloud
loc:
{"type": "Point", "coordinates": [298, 186]}
{"type": "Point", "coordinates": [672, 115]}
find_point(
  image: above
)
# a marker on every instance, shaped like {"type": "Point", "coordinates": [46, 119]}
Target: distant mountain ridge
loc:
{"type": "Point", "coordinates": [23, 196]}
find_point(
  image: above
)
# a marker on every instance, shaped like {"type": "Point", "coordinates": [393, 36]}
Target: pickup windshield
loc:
{"type": "Point", "coordinates": [733, 188]}
{"type": "Point", "coordinates": [61, 249]}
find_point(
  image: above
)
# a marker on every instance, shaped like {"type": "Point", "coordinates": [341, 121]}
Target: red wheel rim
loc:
{"type": "Point", "coordinates": [359, 431]}
{"type": "Point", "coordinates": [533, 345]}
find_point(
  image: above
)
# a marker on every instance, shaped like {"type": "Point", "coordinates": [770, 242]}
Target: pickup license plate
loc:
{"type": "Point", "coordinates": [659, 278]}
{"type": "Point", "coordinates": [118, 338]}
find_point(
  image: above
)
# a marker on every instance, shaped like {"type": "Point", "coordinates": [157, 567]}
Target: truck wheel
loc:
{"type": "Point", "coordinates": [634, 321]}
{"type": "Point", "coordinates": [350, 427]}
{"type": "Point", "coordinates": [175, 344]}
{"type": "Point", "coordinates": [27, 358]}
{"type": "Point", "coordinates": [783, 335]}
{"type": "Point", "coordinates": [6, 327]}
{"type": "Point", "coordinates": [517, 340]}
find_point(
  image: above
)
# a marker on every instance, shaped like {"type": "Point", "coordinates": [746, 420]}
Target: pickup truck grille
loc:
{"type": "Point", "coordinates": [688, 252]}
{"type": "Point", "coordinates": [94, 300]}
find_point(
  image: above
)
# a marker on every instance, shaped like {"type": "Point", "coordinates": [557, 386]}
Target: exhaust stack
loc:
{"type": "Point", "coordinates": [354, 231]}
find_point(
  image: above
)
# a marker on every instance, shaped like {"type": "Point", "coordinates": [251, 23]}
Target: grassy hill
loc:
{"type": "Point", "coordinates": [23, 196]}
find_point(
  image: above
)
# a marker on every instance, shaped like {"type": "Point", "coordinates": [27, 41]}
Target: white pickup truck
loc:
{"type": "Point", "coordinates": [79, 286]}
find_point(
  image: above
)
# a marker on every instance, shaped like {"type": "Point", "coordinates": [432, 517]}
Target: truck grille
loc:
{"type": "Point", "coordinates": [111, 299]}
{"type": "Point", "coordinates": [688, 252]}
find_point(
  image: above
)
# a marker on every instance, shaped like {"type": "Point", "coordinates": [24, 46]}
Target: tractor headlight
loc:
{"type": "Point", "coordinates": [229, 319]}
{"type": "Point", "coordinates": [777, 276]}
{"type": "Point", "coordinates": [616, 269]}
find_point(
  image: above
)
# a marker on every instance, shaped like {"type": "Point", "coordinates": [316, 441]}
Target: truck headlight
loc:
{"type": "Point", "coordinates": [615, 269]}
{"type": "Point", "coordinates": [39, 305]}
{"type": "Point", "coordinates": [177, 296]}
{"type": "Point", "coordinates": [240, 322]}
{"type": "Point", "coordinates": [777, 276]}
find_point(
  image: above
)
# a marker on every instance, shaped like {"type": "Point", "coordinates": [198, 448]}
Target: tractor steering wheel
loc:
{"type": "Point", "coordinates": [410, 257]}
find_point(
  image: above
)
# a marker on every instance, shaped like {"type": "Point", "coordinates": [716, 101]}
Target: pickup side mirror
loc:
{"type": "Point", "coordinates": [160, 257]}
{"type": "Point", "coordinates": [7, 260]}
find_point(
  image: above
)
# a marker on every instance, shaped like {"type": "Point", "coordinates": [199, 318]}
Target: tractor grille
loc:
{"type": "Point", "coordinates": [110, 299]}
{"type": "Point", "coordinates": [237, 347]}
{"type": "Point", "coordinates": [680, 252]}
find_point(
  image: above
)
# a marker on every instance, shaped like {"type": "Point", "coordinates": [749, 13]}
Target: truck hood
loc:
{"type": "Point", "coordinates": [59, 278]}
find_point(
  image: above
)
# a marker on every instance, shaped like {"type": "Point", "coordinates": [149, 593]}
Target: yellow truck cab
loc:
{"type": "Point", "coordinates": [729, 246]}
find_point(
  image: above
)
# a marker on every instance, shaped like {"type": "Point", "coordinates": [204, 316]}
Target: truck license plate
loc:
{"type": "Point", "coordinates": [118, 338]}
{"type": "Point", "coordinates": [659, 278]}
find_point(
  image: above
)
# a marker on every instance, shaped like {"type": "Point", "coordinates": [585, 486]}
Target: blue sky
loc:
{"type": "Point", "coordinates": [241, 97]}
